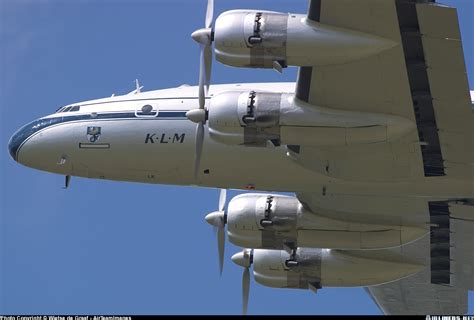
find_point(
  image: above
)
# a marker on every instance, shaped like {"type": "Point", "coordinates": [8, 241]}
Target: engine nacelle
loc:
{"type": "Point", "coordinates": [265, 39]}
{"type": "Point", "coordinates": [266, 221]}
{"type": "Point", "coordinates": [316, 268]}
{"type": "Point", "coordinates": [256, 118]}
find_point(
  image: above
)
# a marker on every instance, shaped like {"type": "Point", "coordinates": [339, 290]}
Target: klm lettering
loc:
{"type": "Point", "coordinates": [164, 138]}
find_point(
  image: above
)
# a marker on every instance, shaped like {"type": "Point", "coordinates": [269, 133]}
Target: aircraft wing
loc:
{"type": "Point", "coordinates": [422, 79]}
{"type": "Point", "coordinates": [416, 294]}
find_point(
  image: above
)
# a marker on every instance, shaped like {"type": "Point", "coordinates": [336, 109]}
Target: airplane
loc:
{"type": "Point", "coordinates": [375, 139]}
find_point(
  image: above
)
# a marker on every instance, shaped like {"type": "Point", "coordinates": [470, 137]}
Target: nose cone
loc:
{"type": "Point", "coordinates": [19, 138]}
{"type": "Point", "coordinates": [42, 144]}
{"type": "Point", "coordinates": [11, 148]}
{"type": "Point", "coordinates": [14, 144]}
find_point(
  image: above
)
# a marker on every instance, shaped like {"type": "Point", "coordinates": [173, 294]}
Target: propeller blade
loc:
{"type": "Point", "coordinates": [202, 79]}
{"type": "Point", "coordinates": [199, 143]}
{"type": "Point", "coordinates": [245, 290]}
{"type": "Point", "coordinates": [207, 66]}
{"type": "Point", "coordinates": [209, 13]}
{"type": "Point", "coordinates": [244, 259]}
{"type": "Point", "coordinates": [222, 199]}
{"type": "Point", "coordinates": [221, 247]}
{"type": "Point", "coordinates": [204, 37]}
{"type": "Point", "coordinates": [217, 219]}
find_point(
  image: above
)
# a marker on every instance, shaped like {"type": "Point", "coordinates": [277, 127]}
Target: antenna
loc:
{"type": "Point", "coordinates": [138, 88]}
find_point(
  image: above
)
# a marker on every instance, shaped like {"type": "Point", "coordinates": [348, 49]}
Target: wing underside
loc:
{"type": "Point", "coordinates": [414, 295]}
{"type": "Point", "coordinates": [424, 80]}
{"type": "Point", "coordinates": [417, 294]}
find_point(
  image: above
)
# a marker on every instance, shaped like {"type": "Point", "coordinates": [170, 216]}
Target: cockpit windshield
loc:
{"type": "Point", "coordinates": [68, 109]}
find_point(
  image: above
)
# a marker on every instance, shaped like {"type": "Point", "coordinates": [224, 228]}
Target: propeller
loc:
{"type": "Point", "coordinates": [218, 219]}
{"type": "Point", "coordinates": [204, 37]}
{"type": "Point", "coordinates": [245, 260]}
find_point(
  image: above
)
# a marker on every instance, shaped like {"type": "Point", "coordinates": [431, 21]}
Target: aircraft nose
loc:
{"type": "Point", "coordinates": [14, 143]}
{"type": "Point", "coordinates": [43, 144]}
{"type": "Point", "coordinates": [19, 138]}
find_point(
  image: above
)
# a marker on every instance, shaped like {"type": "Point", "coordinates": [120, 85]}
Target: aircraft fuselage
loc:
{"type": "Point", "coordinates": [118, 138]}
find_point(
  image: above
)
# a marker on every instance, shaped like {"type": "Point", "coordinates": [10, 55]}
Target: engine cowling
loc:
{"type": "Point", "coordinates": [266, 39]}
{"type": "Point", "coordinates": [316, 268]}
{"type": "Point", "coordinates": [262, 221]}
{"type": "Point", "coordinates": [245, 118]}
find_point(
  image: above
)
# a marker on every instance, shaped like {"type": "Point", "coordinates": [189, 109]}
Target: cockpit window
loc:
{"type": "Point", "coordinates": [67, 109]}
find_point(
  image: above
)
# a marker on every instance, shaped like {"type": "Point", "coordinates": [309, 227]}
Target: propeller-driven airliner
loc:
{"type": "Point", "coordinates": [375, 141]}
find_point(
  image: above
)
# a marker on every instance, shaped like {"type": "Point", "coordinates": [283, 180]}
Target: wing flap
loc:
{"type": "Point", "coordinates": [449, 87]}
{"type": "Point", "coordinates": [439, 50]}
{"type": "Point", "coordinates": [440, 20]}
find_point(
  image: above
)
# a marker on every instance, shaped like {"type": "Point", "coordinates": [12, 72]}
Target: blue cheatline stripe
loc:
{"type": "Point", "coordinates": [31, 128]}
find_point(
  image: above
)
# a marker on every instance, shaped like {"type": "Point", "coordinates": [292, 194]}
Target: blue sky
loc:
{"type": "Point", "coordinates": [110, 247]}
